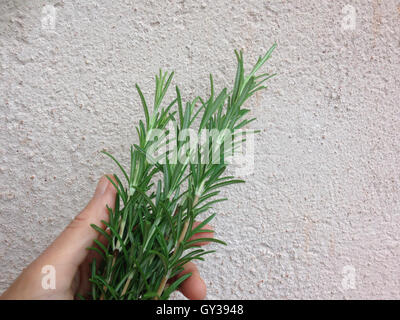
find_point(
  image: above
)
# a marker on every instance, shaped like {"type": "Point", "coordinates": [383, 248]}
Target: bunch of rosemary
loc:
{"type": "Point", "coordinates": [150, 229]}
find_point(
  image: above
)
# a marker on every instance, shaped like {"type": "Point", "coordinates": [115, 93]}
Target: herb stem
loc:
{"type": "Point", "coordinates": [128, 281]}
{"type": "Point", "coordinates": [181, 237]}
{"type": "Point", "coordinates": [109, 276]}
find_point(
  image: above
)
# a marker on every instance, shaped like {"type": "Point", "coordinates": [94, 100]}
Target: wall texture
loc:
{"type": "Point", "coordinates": [320, 216]}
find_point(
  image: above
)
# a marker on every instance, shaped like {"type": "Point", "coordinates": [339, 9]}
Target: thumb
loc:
{"type": "Point", "coordinates": [70, 246]}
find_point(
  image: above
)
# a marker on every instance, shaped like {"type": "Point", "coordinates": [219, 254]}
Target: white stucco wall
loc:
{"type": "Point", "coordinates": [323, 205]}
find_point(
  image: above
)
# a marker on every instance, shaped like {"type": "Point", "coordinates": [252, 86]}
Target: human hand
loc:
{"type": "Point", "coordinates": [69, 258]}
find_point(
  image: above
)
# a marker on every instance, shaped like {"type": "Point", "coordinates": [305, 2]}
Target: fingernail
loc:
{"type": "Point", "coordinates": [101, 187]}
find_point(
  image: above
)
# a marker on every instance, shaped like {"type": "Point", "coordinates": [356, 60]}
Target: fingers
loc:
{"type": "Point", "coordinates": [194, 287]}
{"type": "Point", "coordinates": [70, 247]}
{"type": "Point", "coordinates": [85, 267]}
{"type": "Point", "coordinates": [67, 252]}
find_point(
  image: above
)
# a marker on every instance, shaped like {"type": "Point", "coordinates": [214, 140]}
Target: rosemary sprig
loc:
{"type": "Point", "coordinates": [150, 229]}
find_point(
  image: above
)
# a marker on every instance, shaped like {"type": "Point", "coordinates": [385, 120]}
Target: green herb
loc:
{"type": "Point", "coordinates": [168, 185]}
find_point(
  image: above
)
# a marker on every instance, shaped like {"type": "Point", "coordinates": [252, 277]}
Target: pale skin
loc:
{"type": "Point", "coordinates": [70, 258]}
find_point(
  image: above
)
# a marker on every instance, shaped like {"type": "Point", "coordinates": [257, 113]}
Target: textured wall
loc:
{"type": "Point", "coordinates": [319, 218]}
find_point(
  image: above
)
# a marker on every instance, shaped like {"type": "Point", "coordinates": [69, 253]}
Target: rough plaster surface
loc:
{"type": "Point", "coordinates": [324, 199]}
